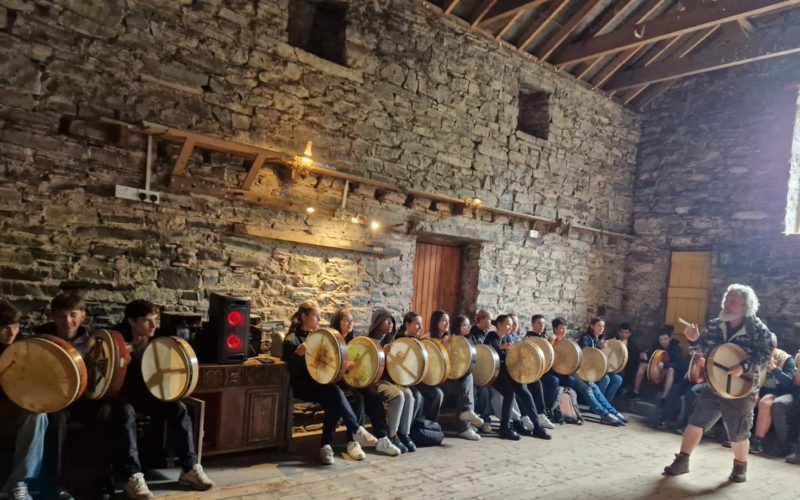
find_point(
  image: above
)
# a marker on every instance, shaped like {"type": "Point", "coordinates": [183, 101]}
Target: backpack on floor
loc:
{"type": "Point", "coordinates": [426, 432]}
{"type": "Point", "coordinates": [569, 407]}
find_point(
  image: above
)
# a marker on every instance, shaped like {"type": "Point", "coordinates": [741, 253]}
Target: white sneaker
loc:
{"type": "Point", "coordinates": [545, 422]}
{"type": "Point", "coordinates": [196, 478]}
{"type": "Point", "coordinates": [469, 434]}
{"type": "Point", "coordinates": [354, 451]}
{"type": "Point", "coordinates": [386, 447]}
{"type": "Point", "coordinates": [136, 488]}
{"type": "Point", "coordinates": [20, 492]}
{"type": "Point", "coordinates": [364, 438]}
{"type": "Point", "coordinates": [486, 428]}
{"type": "Point", "coordinates": [326, 455]}
{"type": "Point", "coordinates": [527, 423]}
{"type": "Point", "coordinates": [470, 417]}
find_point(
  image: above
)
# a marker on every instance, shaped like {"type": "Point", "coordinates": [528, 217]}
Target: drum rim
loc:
{"type": "Point", "coordinates": [83, 375]}
{"type": "Point", "coordinates": [458, 339]}
{"type": "Point", "coordinates": [495, 358]}
{"type": "Point", "coordinates": [380, 360]}
{"type": "Point", "coordinates": [170, 343]}
{"type": "Point", "coordinates": [540, 356]}
{"type": "Point", "coordinates": [724, 394]}
{"type": "Point", "coordinates": [423, 354]}
{"type": "Point", "coordinates": [573, 347]}
{"type": "Point", "coordinates": [592, 351]}
{"type": "Point", "coordinates": [702, 371]}
{"type": "Point", "coordinates": [650, 365]}
{"type": "Point", "coordinates": [192, 366]}
{"type": "Point", "coordinates": [548, 350]}
{"type": "Point", "coordinates": [624, 355]}
{"type": "Point", "coordinates": [342, 346]}
{"type": "Point", "coordinates": [444, 357]}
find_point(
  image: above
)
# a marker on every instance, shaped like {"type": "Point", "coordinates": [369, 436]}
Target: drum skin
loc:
{"type": "Point", "coordinates": [594, 365]}
{"type": "Point", "coordinates": [169, 368]}
{"type": "Point", "coordinates": [462, 355]}
{"type": "Point", "coordinates": [369, 362]}
{"type": "Point", "coordinates": [487, 366]}
{"type": "Point", "coordinates": [721, 359]}
{"type": "Point", "coordinates": [616, 354]}
{"type": "Point", "coordinates": [107, 359]}
{"type": "Point", "coordinates": [547, 350]}
{"type": "Point", "coordinates": [568, 357]}
{"type": "Point", "coordinates": [438, 362]}
{"type": "Point", "coordinates": [407, 361]}
{"type": "Point", "coordinates": [525, 362]}
{"type": "Point", "coordinates": [326, 355]}
{"type": "Point", "coordinates": [656, 374]}
{"type": "Point", "coordinates": [42, 374]}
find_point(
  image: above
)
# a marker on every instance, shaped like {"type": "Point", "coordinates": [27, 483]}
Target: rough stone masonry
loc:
{"type": "Point", "coordinates": [421, 102]}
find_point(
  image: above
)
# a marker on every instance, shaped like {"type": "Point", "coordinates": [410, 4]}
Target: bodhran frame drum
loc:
{"type": "Point", "coordinates": [487, 366]}
{"type": "Point", "coordinates": [326, 355]}
{"type": "Point", "coordinates": [568, 357]}
{"type": "Point", "coordinates": [169, 368]}
{"type": "Point", "coordinates": [407, 361]}
{"type": "Point", "coordinates": [723, 358]}
{"type": "Point", "coordinates": [656, 373]}
{"type": "Point", "coordinates": [438, 362]}
{"type": "Point", "coordinates": [616, 354]}
{"type": "Point", "coordinates": [594, 365]}
{"type": "Point", "coordinates": [368, 362]}
{"type": "Point", "coordinates": [462, 354]}
{"type": "Point", "coordinates": [547, 350]}
{"type": "Point", "coordinates": [696, 373]}
{"type": "Point", "coordinates": [42, 374]}
{"type": "Point", "coordinates": [525, 362]}
{"type": "Point", "coordinates": [107, 359]}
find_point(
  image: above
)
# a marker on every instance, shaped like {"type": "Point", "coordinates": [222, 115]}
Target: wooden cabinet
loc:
{"type": "Point", "coordinates": [247, 406]}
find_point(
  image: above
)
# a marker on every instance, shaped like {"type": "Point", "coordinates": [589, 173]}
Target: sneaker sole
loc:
{"type": "Point", "coordinates": [196, 487]}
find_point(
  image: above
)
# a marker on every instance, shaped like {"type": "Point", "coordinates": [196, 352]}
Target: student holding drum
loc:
{"type": "Point", "coordinates": [611, 382]}
{"type": "Point", "coordinates": [508, 387]}
{"type": "Point", "coordinates": [482, 326]}
{"type": "Point", "coordinates": [668, 366]}
{"type": "Point", "coordinates": [334, 403]}
{"type": "Point", "coordinates": [137, 395]}
{"type": "Point", "coordinates": [590, 391]}
{"type": "Point", "coordinates": [545, 390]}
{"type": "Point", "coordinates": [30, 426]}
{"type": "Point", "coordinates": [460, 327]}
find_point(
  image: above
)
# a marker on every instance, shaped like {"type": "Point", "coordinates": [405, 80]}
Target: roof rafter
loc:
{"type": "Point", "coordinates": [501, 9]}
{"type": "Point", "coordinates": [536, 29]}
{"type": "Point", "coordinates": [567, 30]}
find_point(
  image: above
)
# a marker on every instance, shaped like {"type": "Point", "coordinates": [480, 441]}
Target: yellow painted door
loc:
{"type": "Point", "coordinates": [687, 295]}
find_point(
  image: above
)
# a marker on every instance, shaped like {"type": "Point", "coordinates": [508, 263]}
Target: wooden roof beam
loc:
{"type": "Point", "coordinates": [567, 30]}
{"type": "Point", "coordinates": [536, 29]}
{"type": "Point", "coordinates": [501, 9]}
{"type": "Point", "coordinates": [761, 45]}
{"type": "Point", "coordinates": [450, 5]}
{"type": "Point", "coordinates": [704, 16]}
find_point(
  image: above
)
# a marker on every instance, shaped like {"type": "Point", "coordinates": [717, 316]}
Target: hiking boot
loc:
{"type": "Point", "coordinates": [355, 452]}
{"type": "Point", "coordinates": [470, 417]}
{"type": "Point", "coordinates": [136, 488]}
{"type": "Point", "coordinates": [364, 438]}
{"type": "Point", "coordinates": [410, 445]}
{"type": "Point", "coordinates": [756, 445]}
{"type": "Point", "coordinates": [387, 447]}
{"type": "Point", "coordinates": [679, 466]}
{"type": "Point", "coordinates": [326, 455]}
{"type": "Point", "coordinates": [739, 473]}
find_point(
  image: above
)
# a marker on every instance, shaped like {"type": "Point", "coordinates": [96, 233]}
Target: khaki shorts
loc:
{"type": "Point", "coordinates": [737, 414]}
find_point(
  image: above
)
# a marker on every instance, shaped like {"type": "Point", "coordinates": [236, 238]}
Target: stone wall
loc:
{"type": "Point", "coordinates": [713, 174]}
{"type": "Point", "coordinates": [423, 103]}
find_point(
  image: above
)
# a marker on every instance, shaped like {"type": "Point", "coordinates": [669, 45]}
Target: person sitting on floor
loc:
{"type": "Point", "coordinates": [777, 388]}
{"type": "Point", "coordinates": [675, 367]}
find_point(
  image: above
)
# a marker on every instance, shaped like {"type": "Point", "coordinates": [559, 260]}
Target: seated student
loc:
{"type": "Point", "coordinates": [545, 390]}
{"type": "Point", "coordinates": [481, 395]}
{"type": "Point", "coordinates": [463, 388]}
{"type": "Point", "coordinates": [611, 382]}
{"type": "Point", "coordinates": [334, 403]}
{"type": "Point", "coordinates": [777, 388]}
{"type": "Point", "coordinates": [68, 312]}
{"type": "Point", "coordinates": [412, 327]}
{"type": "Point", "coordinates": [591, 392]}
{"type": "Point", "coordinates": [624, 334]}
{"type": "Point", "coordinates": [559, 334]}
{"type": "Point", "coordinates": [138, 327]}
{"type": "Point", "coordinates": [482, 326]}
{"type": "Point", "coordinates": [510, 389]}
{"type": "Point", "coordinates": [400, 403]}
{"type": "Point", "coordinates": [787, 412]}
{"type": "Point", "coordinates": [675, 367]}
{"type": "Point", "coordinates": [30, 427]}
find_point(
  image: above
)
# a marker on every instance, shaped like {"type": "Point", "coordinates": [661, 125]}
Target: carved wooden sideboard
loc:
{"type": "Point", "coordinates": [247, 406]}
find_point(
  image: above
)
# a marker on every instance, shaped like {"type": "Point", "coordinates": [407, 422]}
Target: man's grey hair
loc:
{"type": "Point", "coordinates": [749, 296]}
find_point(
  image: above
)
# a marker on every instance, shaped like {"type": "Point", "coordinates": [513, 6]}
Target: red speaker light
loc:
{"type": "Point", "coordinates": [235, 318]}
{"type": "Point", "coordinates": [233, 342]}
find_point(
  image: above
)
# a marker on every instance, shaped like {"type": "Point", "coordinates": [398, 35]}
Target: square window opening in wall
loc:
{"type": "Point", "coordinates": [534, 113]}
{"type": "Point", "coordinates": [320, 28]}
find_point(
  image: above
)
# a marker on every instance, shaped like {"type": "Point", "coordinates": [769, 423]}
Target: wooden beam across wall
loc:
{"type": "Point", "coordinates": [761, 45]}
{"type": "Point", "coordinates": [705, 16]}
{"type": "Point", "coordinates": [362, 246]}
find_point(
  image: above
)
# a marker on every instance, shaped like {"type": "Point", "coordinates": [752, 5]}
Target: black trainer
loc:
{"type": "Point", "coordinates": [396, 441]}
{"type": "Point", "coordinates": [509, 434]}
{"type": "Point", "coordinates": [407, 442]}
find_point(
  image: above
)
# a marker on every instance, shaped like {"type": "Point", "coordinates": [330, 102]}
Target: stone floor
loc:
{"type": "Point", "coordinates": [587, 462]}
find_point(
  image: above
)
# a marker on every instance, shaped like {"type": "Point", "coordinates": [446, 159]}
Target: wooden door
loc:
{"type": "Point", "coordinates": [687, 295]}
{"type": "Point", "coordinates": [437, 280]}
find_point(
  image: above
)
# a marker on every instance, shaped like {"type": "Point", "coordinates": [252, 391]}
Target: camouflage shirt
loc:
{"type": "Point", "coordinates": [753, 336]}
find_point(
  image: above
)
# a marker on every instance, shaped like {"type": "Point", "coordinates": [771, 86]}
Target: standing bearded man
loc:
{"type": "Point", "coordinates": [737, 324]}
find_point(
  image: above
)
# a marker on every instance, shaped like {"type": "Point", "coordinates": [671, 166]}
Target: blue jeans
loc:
{"type": "Point", "coordinates": [609, 385]}
{"type": "Point", "coordinates": [591, 394]}
{"type": "Point", "coordinates": [28, 447]}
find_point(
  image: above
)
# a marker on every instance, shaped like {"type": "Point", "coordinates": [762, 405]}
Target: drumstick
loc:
{"type": "Point", "coordinates": [683, 322]}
